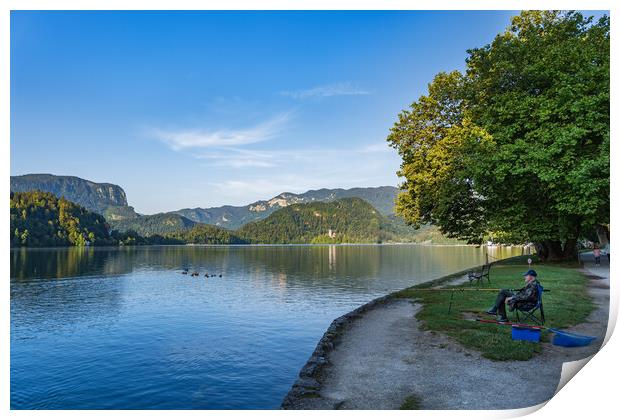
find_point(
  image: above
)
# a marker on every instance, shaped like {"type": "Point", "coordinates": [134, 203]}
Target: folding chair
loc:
{"type": "Point", "coordinates": [529, 314]}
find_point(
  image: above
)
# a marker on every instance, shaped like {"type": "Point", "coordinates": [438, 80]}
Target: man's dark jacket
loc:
{"type": "Point", "coordinates": [526, 298]}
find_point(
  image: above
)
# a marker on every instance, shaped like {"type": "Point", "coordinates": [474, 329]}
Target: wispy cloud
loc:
{"type": "Point", "coordinates": [335, 89]}
{"type": "Point", "coordinates": [376, 147]}
{"type": "Point", "coordinates": [209, 138]}
{"type": "Point", "coordinates": [236, 157]}
{"type": "Point", "coordinates": [246, 190]}
{"type": "Point", "coordinates": [239, 158]}
{"type": "Point", "coordinates": [243, 188]}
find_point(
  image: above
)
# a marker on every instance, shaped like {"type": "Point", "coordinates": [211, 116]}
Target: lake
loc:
{"type": "Point", "coordinates": [122, 328]}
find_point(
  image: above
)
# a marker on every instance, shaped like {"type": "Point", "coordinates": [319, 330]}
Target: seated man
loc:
{"type": "Point", "coordinates": [525, 298]}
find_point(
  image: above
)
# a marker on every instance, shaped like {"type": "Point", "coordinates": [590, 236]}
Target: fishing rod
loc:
{"type": "Point", "coordinates": [468, 290]}
{"type": "Point", "coordinates": [512, 324]}
{"type": "Point", "coordinates": [459, 290]}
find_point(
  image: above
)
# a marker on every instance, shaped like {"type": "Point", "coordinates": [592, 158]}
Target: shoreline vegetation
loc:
{"type": "Point", "coordinates": [424, 244]}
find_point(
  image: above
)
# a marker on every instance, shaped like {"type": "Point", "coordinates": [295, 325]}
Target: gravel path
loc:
{"type": "Point", "coordinates": [383, 357]}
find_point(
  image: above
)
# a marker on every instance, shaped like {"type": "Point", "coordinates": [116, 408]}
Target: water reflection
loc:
{"type": "Point", "coordinates": [338, 260]}
{"type": "Point", "coordinates": [123, 328]}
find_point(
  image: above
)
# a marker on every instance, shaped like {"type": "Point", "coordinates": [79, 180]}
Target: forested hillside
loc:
{"type": "Point", "coordinates": [156, 224]}
{"type": "Point", "coordinates": [350, 220]}
{"type": "Point", "coordinates": [42, 219]}
{"type": "Point", "coordinates": [206, 234]}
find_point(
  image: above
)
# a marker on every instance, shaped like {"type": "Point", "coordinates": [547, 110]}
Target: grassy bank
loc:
{"type": "Point", "coordinates": [568, 303]}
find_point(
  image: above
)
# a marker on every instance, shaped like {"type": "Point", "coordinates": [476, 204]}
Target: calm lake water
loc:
{"type": "Point", "coordinates": [122, 328]}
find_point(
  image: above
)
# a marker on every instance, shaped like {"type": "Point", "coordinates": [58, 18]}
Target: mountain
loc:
{"type": "Point", "coordinates": [348, 220]}
{"type": "Point", "coordinates": [105, 199]}
{"type": "Point", "coordinates": [42, 219]}
{"type": "Point", "coordinates": [110, 201]}
{"type": "Point", "coordinates": [156, 224]}
{"type": "Point", "coordinates": [233, 217]}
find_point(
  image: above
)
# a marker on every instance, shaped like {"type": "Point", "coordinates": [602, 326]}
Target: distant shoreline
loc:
{"type": "Point", "coordinates": [425, 244]}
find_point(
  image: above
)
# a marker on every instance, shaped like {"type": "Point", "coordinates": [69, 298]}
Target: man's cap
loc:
{"type": "Point", "coordinates": [530, 273]}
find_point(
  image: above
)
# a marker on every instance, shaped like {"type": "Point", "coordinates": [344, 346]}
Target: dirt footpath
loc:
{"type": "Point", "coordinates": [383, 356]}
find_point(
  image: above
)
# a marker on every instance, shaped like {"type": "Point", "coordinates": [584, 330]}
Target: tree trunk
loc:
{"type": "Point", "coordinates": [570, 249]}
{"type": "Point", "coordinates": [542, 251]}
{"type": "Point", "coordinates": [555, 251]}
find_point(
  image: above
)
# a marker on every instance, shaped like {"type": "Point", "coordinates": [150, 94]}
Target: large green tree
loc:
{"type": "Point", "coordinates": [517, 146]}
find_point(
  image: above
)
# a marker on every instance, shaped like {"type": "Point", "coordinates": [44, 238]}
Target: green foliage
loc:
{"type": "Point", "coordinates": [156, 224]}
{"type": "Point", "coordinates": [494, 341]}
{"type": "Point", "coordinates": [41, 219]}
{"type": "Point", "coordinates": [206, 234]}
{"type": "Point", "coordinates": [412, 402]}
{"type": "Point", "coordinates": [519, 145]}
{"type": "Point", "coordinates": [436, 140]}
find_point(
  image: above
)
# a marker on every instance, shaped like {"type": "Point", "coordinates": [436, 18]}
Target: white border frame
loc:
{"type": "Point", "coordinates": [591, 394]}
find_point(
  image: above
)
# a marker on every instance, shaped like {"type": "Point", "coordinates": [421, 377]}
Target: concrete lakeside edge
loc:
{"type": "Point", "coordinates": [310, 376]}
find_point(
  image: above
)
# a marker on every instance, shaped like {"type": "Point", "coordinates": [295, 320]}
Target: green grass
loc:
{"type": "Point", "coordinates": [412, 402]}
{"type": "Point", "coordinates": [567, 304]}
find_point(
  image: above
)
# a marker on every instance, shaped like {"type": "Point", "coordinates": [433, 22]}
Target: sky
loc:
{"type": "Point", "coordinates": [201, 109]}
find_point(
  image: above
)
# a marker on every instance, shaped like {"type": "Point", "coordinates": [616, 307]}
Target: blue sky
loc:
{"type": "Point", "coordinates": [198, 109]}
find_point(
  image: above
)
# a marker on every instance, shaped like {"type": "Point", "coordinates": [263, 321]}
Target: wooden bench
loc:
{"type": "Point", "coordinates": [478, 277]}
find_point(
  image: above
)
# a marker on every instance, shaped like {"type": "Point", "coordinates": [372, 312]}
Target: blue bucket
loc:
{"type": "Point", "coordinates": [526, 334]}
{"type": "Point", "coordinates": [565, 339]}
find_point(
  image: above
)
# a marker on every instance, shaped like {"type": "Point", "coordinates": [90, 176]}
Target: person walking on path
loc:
{"type": "Point", "coordinates": [597, 255]}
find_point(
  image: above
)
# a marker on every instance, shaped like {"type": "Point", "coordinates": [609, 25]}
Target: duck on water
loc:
{"type": "Point", "coordinates": [196, 273]}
